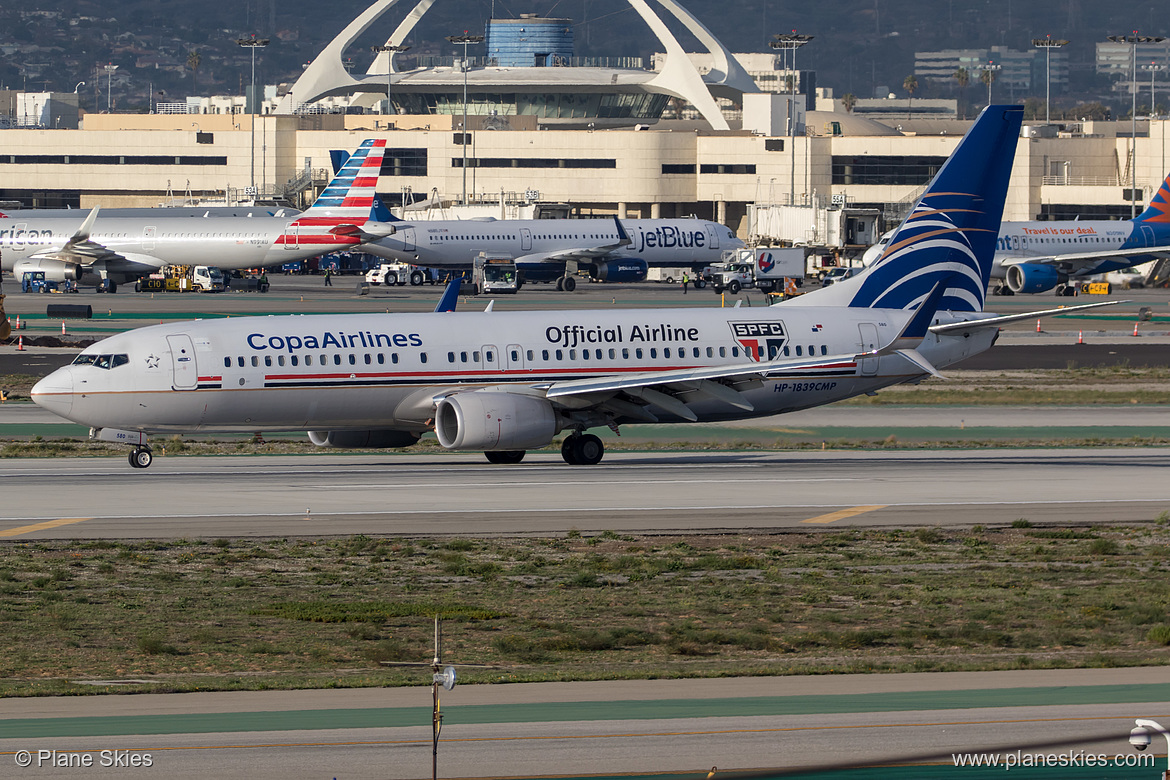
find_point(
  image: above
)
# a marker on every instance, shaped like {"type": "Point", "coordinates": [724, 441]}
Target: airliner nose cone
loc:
{"type": "Point", "coordinates": [55, 392]}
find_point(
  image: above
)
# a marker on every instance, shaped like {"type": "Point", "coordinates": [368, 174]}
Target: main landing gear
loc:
{"type": "Point", "coordinates": [582, 449]}
{"type": "Point", "coordinates": [141, 457]}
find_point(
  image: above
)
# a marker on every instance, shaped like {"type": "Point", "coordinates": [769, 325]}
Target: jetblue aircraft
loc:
{"type": "Point", "coordinates": [1034, 257]}
{"type": "Point", "coordinates": [109, 251]}
{"type": "Point", "coordinates": [546, 249]}
{"type": "Point", "coordinates": [507, 382]}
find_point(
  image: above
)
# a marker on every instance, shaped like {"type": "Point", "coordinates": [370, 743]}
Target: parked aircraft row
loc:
{"type": "Point", "coordinates": [110, 251]}
{"type": "Point", "coordinates": [1034, 257]}
{"type": "Point", "coordinates": [507, 382]}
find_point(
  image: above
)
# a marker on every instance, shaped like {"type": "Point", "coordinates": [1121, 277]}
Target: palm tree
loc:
{"type": "Point", "coordinates": [193, 62]}
{"type": "Point", "coordinates": [910, 84]}
{"type": "Point", "coordinates": [963, 76]}
{"type": "Point", "coordinates": [848, 101]}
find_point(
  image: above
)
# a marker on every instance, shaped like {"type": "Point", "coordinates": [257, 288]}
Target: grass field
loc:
{"type": "Point", "coordinates": [257, 614]}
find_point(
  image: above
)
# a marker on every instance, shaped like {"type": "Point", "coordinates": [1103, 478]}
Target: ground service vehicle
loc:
{"type": "Point", "coordinates": [35, 281]}
{"type": "Point", "coordinates": [496, 274]}
{"type": "Point", "coordinates": [764, 268]}
{"type": "Point", "coordinates": [183, 278]}
{"type": "Point", "coordinates": [670, 274]}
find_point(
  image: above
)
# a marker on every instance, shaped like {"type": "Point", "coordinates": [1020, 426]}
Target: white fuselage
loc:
{"type": "Point", "coordinates": [231, 243]}
{"type": "Point", "coordinates": [363, 371]}
{"type": "Point", "coordinates": [456, 243]}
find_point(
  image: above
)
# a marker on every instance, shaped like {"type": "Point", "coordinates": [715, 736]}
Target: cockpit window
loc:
{"type": "Point", "coordinates": [101, 361]}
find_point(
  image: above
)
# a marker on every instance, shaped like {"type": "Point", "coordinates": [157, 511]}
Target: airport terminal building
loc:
{"type": "Point", "coordinates": [592, 137]}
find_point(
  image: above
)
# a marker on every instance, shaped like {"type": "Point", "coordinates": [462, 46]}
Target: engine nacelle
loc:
{"type": "Point", "coordinates": [356, 440]}
{"type": "Point", "coordinates": [1033, 278]}
{"type": "Point", "coordinates": [626, 269]}
{"type": "Point", "coordinates": [55, 270]}
{"type": "Point", "coordinates": [494, 421]}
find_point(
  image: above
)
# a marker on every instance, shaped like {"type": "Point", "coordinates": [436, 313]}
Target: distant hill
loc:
{"type": "Point", "coordinates": [858, 45]}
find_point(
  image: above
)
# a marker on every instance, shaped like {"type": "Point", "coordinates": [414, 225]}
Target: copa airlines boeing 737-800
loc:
{"type": "Point", "coordinates": [506, 382]}
{"type": "Point", "coordinates": [119, 249]}
{"type": "Point", "coordinates": [1034, 257]}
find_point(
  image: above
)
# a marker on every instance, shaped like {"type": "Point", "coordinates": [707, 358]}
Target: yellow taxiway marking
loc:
{"type": "Point", "coordinates": [28, 529]}
{"type": "Point", "coordinates": [841, 514]}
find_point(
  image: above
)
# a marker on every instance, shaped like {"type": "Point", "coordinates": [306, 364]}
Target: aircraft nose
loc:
{"type": "Point", "coordinates": [55, 392]}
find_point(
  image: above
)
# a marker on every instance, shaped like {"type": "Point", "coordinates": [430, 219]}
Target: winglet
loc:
{"type": "Point", "coordinates": [623, 236]}
{"type": "Point", "coordinates": [86, 228]}
{"type": "Point", "coordinates": [450, 295]}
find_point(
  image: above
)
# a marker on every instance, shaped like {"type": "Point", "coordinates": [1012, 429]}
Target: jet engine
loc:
{"type": "Point", "coordinates": [355, 440]}
{"type": "Point", "coordinates": [494, 421]}
{"type": "Point", "coordinates": [1033, 278]}
{"type": "Point", "coordinates": [626, 269]}
{"type": "Point", "coordinates": [55, 270]}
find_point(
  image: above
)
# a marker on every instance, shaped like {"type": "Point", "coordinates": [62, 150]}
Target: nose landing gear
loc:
{"type": "Point", "coordinates": [141, 457]}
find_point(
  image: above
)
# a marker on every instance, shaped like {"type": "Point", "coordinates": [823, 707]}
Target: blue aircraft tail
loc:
{"type": "Point", "coordinates": [950, 233]}
{"type": "Point", "coordinates": [1158, 211]}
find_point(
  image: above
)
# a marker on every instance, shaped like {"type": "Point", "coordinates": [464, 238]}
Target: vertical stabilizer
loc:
{"type": "Point", "coordinates": [350, 195]}
{"type": "Point", "coordinates": [950, 233]}
{"type": "Point", "coordinates": [1159, 209]}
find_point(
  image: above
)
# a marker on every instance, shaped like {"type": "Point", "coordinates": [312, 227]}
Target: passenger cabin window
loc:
{"type": "Point", "coordinates": [268, 360]}
{"type": "Point", "coordinates": [353, 360]}
{"type": "Point", "coordinates": [227, 362]}
{"type": "Point", "coordinates": [255, 361]}
{"type": "Point", "coordinates": [240, 361]}
{"type": "Point", "coordinates": [337, 360]}
{"type": "Point", "coordinates": [294, 359]}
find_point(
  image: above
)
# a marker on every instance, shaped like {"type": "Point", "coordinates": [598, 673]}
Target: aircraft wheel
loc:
{"type": "Point", "coordinates": [111, 286]}
{"type": "Point", "coordinates": [560, 284]}
{"type": "Point", "coordinates": [141, 458]}
{"type": "Point", "coordinates": [734, 286]}
{"type": "Point", "coordinates": [505, 456]}
{"type": "Point", "coordinates": [587, 450]}
{"type": "Point", "coordinates": [568, 284]}
{"type": "Point", "coordinates": [568, 449]}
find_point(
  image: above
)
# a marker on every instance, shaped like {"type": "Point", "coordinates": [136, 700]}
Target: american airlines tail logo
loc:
{"type": "Point", "coordinates": [761, 339]}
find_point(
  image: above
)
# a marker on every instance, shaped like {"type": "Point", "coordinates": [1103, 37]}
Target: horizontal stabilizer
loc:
{"type": "Point", "coordinates": [995, 322]}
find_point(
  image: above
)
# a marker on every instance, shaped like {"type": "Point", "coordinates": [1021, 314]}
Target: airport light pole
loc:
{"type": "Point", "coordinates": [1133, 41]}
{"type": "Point", "coordinates": [989, 76]}
{"type": "Point", "coordinates": [465, 40]}
{"type": "Point", "coordinates": [1047, 44]}
{"type": "Point", "coordinates": [791, 42]}
{"type": "Point", "coordinates": [110, 68]}
{"type": "Point", "coordinates": [390, 50]}
{"type": "Point", "coordinates": [253, 44]}
{"type": "Point", "coordinates": [1153, 68]}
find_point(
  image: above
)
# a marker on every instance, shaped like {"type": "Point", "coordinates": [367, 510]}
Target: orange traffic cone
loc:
{"type": "Point", "coordinates": [1080, 337]}
{"type": "Point", "coordinates": [1135, 329]}
{"type": "Point", "coordinates": [1038, 327]}
{"type": "Point", "coordinates": [19, 325]}
{"type": "Point", "coordinates": [20, 344]}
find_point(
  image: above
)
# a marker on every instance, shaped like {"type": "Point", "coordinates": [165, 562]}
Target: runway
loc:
{"type": "Point", "coordinates": [599, 728]}
{"type": "Point", "coordinates": [421, 494]}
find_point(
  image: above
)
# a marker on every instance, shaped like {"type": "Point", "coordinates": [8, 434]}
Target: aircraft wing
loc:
{"type": "Point", "coordinates": [995, 322]}
{"type": "Point", "coordinates": [594, 252]}
{"type": "Point", "coordinates": [1085, 261]}
{"type": "Point", "coordinates": [80, 249]}
{"type": "Point", "coordinates": [670, 390]}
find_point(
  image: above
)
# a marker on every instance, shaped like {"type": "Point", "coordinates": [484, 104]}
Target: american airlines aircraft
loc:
{"type": "Point", "coordinates": [507, 382]}
{"type": "Point", "coordinates": [1034, 257]}
{"type": "Point", "coordinates": [110, 251]}
{"type": "Point", "coordinates": [544, 249]}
